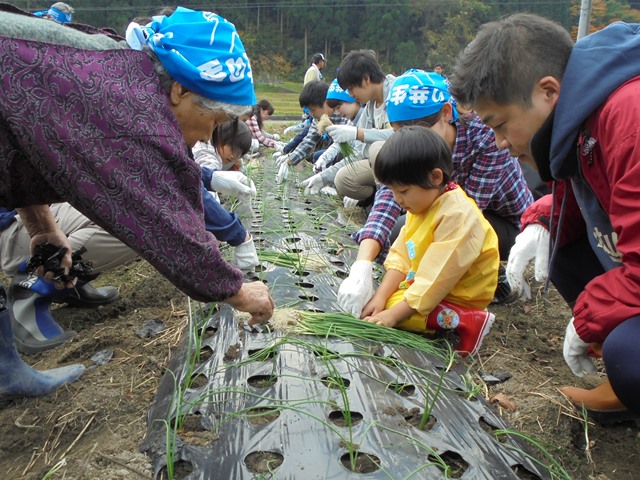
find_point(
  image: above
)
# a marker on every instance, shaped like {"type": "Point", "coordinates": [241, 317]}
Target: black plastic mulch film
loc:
{"type": "Point", "coordinates": [273, 405]}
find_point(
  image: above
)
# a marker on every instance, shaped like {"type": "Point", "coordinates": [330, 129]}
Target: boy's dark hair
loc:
{"type": "Point", "coordinates": [313, 94]}
{"type": "Point", "coordinates": [428, 121]}
{"type": "Point", "coordinates": [263, 104]}
{"type": "Point", "coordinates": [333, 103]}
{"type": "Point", "coordinates": [358, 65]}
{"type": "Point", "coordinates": [507, 58]}
{"type": "Point", "coordinates": [410, 154]}
{"type": "Point", "coordinates": [234, 133]}
{"type": "Point", "coordinates": [317, 58]}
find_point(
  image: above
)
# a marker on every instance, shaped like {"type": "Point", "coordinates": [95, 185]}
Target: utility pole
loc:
{"type": "Point", "coordinates": [585, 19]}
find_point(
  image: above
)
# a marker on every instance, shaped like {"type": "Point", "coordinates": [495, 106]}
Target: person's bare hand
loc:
{"type": "Point", "coordinates": [383, 318]}
{"type": "Point", "coordinates": [58, 239]}
{"type": "Point", "coordinates": [373, 307]}
{"type": "Point", "coordinates": [254, 298]}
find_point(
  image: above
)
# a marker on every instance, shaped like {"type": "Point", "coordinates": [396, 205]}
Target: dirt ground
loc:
{"type": "Point", "coordinates": [93, 428]}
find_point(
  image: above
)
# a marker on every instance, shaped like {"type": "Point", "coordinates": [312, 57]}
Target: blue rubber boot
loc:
{"type": "Point", "coordinates": [34, 328]}
{"type": "Point", "coordinates": [17, 379]}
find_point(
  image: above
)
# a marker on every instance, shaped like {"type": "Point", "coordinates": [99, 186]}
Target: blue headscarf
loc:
{"type": "Point", "coordinates": [417, 94]}
{"type": "Point", "coordinates": [337, 93]}
{"type": "Point", "coordinates": [56, 14]}
{"type": "Point", "coordinates": [202, 51]}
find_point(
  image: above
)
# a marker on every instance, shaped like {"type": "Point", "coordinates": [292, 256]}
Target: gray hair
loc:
{"type": "Point", "coordinates": [63, 7]}
{"type": "Point", "coordinates": [167, 81]}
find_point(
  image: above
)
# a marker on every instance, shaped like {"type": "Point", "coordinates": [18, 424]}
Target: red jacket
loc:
{"type": "Point", "coordinates": [612, 170]}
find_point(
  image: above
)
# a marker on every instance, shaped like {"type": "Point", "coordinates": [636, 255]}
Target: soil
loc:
{"type": "Point", "coordinates": [93, 428]}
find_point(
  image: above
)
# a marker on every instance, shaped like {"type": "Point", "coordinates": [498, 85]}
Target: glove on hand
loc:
{"type": "Point", "coordinates": [349, 202]}
{"type": "Point", "coordinates": [293, 128]}
{"type": "Point", "coordinates": [283, 159]}
{"type": "Point", "coordinates": [576, 352]}
{"type": "Point", "coordinates": [313, 185]}
{"type": "Point", "coordinates": [279, 146]}
{"type": "Point", "coordinates": [322, 162]}
{"type": "Point", "coordinates": [275, 136]}
{"type": "Point", "coordinates": [329, 191]}
{"type": "Point", "coordinates": [255, 145]}
{"type": "Point", "coordinates": [232, 183]}
{"type": "Point", "coordinates": [357, 289]}
{"type": "Point", "coordinates": [245, 256]}
{"type": "Point", "coordinates": [342, 133]}
{"type": "Point", "coordinates": [533, 242]}
{"type": "Point", "coordinates": [283, 173]}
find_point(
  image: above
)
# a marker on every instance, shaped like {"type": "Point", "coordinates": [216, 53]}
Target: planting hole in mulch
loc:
{"type": "Point", "coordinates": [413, 417]}
{"type": "Point", "coordinates": [199, 381]}
{"type": "Point", "coordinates": [487, 427]}
{"type": "Point", "coordinates": [262, 381]}
{"type": "Point", "coordinates": [262, 354]}
{"type": "Point", "coordinates": [208, 332]}
{"type": "Point", "coordinates": [339, 418]}
{"type": "Point", "coordinates": [302, 273]}
{"type": "Point", "coordinates": [206, 353]}
{"type": "Point", "coordinates": [337, 263]}
{"type": "Point", "coordinates": [465, 394]}
{"type": "Point", "coordinates": [305, 284]}
{"type": "Point", "coordinates": [263, 462]}
{"type": "Point", "coordinates": [364, 462]}
{"type": "Point", "coordinates": [524, 474]}
{"type": "Point", "coordinates": [403, 389]}
{"type": "Point", "coordinates": [456, 466]}
{"type": "Point", "coordinates": [337, 383]}
{"type": "Point", "coordinates": [192, 423]}
{"type": "Point", "coordinates": [292, 239]}
{"type": "Point", "coordinates": [262, 416]}
{"type": "Point", "coordinates": [341, 274]}
{"type": "Point", "coordinates": [181, 469]}
{"type": "Point", "coordinates": [309, 298]}
{"type": "Point", "coordinates": [314, 310]}
{"type": "Point", "coordinates": [233, 352]}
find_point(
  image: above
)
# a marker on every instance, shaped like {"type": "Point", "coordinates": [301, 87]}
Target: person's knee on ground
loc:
{"type": "Point", "coordinates": [355, 180]}
{"type": "Point", "coordinates": [621, 358]}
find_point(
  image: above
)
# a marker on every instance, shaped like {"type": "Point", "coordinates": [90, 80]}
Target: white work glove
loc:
{"type": "Point", "coordinates": [291, 129]}
{"type": "Point", "coordinates": [349, 202]}
{"type": "Point", "coordinates": [276, 155]}
{"type": "Point", "coordinates": [282, 159]}
{"type": "Point", "coordinates": [576, 352]}
{"type": "Point", "coordinates": [245, 256]}
{"type": "Point", "coordinates": [342, 133]}
{"type": "Point", "coordinates": [313, 185]}
{"type": "Point", "coordinates": [283, 173]}
{"type": "Point", "coordinates": [275, 136]}
{"type": "Point", "coordinates": [329, 191]}
{"type": "Point", "coordinates": [232, 183]}
{"type": "Point", "coordinates": [533, 242]}
{"type": "Point", "coordinates": [322, 162]}
{"type": "Point", "coordinates": [279, 146]}
{"type": "Point", "coordinates": [357, 289]}
{"type": "Point", "coordinates": [255, 145]}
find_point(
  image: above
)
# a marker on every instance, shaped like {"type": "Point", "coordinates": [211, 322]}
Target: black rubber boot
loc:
{"type": "Point", "coordinates": [87, 296]}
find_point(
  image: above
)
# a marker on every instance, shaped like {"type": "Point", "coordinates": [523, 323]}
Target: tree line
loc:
{"type": "Point", "coordinates": [282, 35]}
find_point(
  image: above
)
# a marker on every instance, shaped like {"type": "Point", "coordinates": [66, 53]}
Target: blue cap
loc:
{"type": "Point", "coordinates": [55, 14]}
{"type": "Point", "coordinates": [203, 52]}
{"type": "Point", "coordinates": [417, 94]}
{"type": "Point", "coordinates": [337, 93]}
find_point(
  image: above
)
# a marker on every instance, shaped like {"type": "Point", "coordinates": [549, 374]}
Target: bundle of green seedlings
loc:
{"type": "Point", "coordinates": [346, 148]}
{"type": "Point", "coordinates": [344, 325]}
